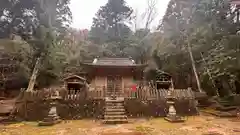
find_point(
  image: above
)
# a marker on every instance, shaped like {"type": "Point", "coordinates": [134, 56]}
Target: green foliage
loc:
{"type": "Point", "coordinates": [39, 23]}
{"type": "Point", "coordinates": [211, 30]}
{"type": "Point", "coordinates": [114, 37]}
{"type": "Point", "coordinates": [209, 27]}
{"type": "Point", "coordinates": [20, 51]}
{"type": "Point", "coordinates": [23, 17]}
{"type": "Point", "coordinates": [110, 22]}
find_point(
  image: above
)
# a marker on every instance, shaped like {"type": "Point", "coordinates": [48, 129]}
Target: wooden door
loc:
{"type": "Point", "coordinates": [114, 85]}
{"type": "Point", "coordinates": [118, 85]}
{"type": "Point", "coordinates": [110, 85]}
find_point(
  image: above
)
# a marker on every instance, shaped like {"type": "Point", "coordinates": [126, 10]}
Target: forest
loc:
{"type": "Point", "coordinates": [194, 37]}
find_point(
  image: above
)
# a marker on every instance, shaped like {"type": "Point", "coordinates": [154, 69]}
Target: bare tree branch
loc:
{"type": "Point", "coordinates": [147, 17]}
{"type": "Point", "coordinates": [150, 13]}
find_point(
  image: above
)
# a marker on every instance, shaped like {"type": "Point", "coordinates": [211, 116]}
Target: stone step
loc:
{"type": "Point", "coordinates": [112, 93]}
{"type": "Point", "coordinates": [114, 101]}
{"type": "Point", "coordinates": [114, 110]}
{"type": "Point", "coordinates": [115, 121]}
{"type": "Point", "coordinates": [114, 113]}
{"type": "Point", "coordinates": [118, 99]}
{"type": "Point", "coordinates": [117, 94]}
{"type": "Point", "coordinates": [115, 117]}
{"type": "Point", "coordinates": [114, 107]}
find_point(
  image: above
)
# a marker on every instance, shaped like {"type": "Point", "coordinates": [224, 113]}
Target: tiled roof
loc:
{"type": "Point", "coordinates": [114, 61]}
{"type": "Point", "coordinates": [75, 76]}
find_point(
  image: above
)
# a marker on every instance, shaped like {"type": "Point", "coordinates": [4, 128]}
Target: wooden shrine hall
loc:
{"type": "Point", "coordinates": [114, 76]}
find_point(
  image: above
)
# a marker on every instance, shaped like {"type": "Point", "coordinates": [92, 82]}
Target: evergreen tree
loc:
{"type": "Point", "coordinates": [23, 17]}
{"type": "Point", "coordinates": [110, 22]}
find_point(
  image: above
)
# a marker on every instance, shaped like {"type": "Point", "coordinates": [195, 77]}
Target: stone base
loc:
{"type": "Point", "coordinates": [174, 119]}
{"type": "Point", "coordinates": [49, 122]}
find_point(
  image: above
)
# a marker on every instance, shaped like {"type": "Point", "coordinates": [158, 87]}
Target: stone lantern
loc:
{"type": "Point", "coordinates": [52, 117]}
{"type": "Point", "coordinates": [172, 113]}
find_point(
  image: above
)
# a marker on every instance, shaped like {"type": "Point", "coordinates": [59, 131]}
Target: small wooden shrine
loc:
{"type": "Point", "coordinates": [74, 82]}
{"type": "Point", "coordinates": [158, 78]}
{"type": "Point", "coordinates": [163, 80]}
{"type": "Point", "coordinates": [114, 75]}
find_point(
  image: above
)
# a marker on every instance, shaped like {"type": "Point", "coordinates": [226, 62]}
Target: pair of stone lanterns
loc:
{"type": "Point", "coordinates": [172, 113]}
{"type": "Point", "coordinates": [52, 117]}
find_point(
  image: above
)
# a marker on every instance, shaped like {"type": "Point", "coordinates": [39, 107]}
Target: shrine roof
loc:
{"type": "Point", "coordinates": [162, 72]}
{"type": "Point", "coordinates": [74, 76]}
{"type": "Point", "coordinates": [113, 62]}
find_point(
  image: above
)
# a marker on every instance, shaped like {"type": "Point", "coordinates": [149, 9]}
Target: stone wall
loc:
{"type": "Point", "coordinates": [35, 105]}
{"type": "Point", "coordinates": [158, 108]}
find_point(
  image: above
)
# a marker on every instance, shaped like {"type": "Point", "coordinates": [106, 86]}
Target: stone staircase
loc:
{"type": "Point", "coordinates": [115, 111]}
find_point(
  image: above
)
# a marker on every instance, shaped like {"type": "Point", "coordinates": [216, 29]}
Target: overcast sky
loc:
{"type": "Point", "coordinates": [84, 10]}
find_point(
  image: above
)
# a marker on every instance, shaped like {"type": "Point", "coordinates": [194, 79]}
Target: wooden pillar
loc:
{"type": "Point", "coordinates": [65, 85]}
{"type": "Point", "coordinates": [172, 85]}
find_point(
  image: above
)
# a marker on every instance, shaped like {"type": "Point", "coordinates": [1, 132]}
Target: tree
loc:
{"type": "Point", "coordinates": [150, 13]}
{"type": "Point", "coordinates": [110, 22]}
{"type": "Point", "coordinates": [209, 28]}
{"type": "Point", "coordinates": [23, 17]}
{"type": "Point", "coordinates": [51, 21]}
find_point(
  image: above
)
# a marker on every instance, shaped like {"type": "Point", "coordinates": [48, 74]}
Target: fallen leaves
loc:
{"type": "Point", "coordinates": [197, 125]}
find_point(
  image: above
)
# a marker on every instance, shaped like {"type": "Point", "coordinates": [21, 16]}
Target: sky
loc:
{"type": "Point", "coordinates": [84, 10]}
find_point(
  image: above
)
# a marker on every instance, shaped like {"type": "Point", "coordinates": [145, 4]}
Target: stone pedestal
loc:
{"type": "Point", "coordinates": [52, 117]}
{"type": "Point", "coordinates": [172, 113]}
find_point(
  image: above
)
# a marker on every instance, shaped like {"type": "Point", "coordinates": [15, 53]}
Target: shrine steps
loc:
{"type": "Point", "coordinates": [115, 93]}
{"type": "Point", "coordinates": [115, 111]}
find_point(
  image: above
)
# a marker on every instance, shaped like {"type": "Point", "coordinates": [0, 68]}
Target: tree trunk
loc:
{"type": "Point", "coordinates": [226, 86]}
{"type": "Point", "coordinates": [194, 66]}
{"type": "Point", "coordinates": [238, 15]}
{"type": "Point", "coordinates": [34, 76]}
{"type": "Point", "coordinates": [237, 87]}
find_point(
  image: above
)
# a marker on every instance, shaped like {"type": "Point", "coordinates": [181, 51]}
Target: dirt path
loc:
{"type": "Point", "coordinates": [198, 125]}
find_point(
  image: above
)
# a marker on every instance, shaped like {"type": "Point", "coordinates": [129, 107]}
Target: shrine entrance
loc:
{"type": "Point", "coordinates": [114, 85]}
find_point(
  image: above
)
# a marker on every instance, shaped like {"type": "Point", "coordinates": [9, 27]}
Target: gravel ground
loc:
{"type": "Point", "coordinates": [197, 125]}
